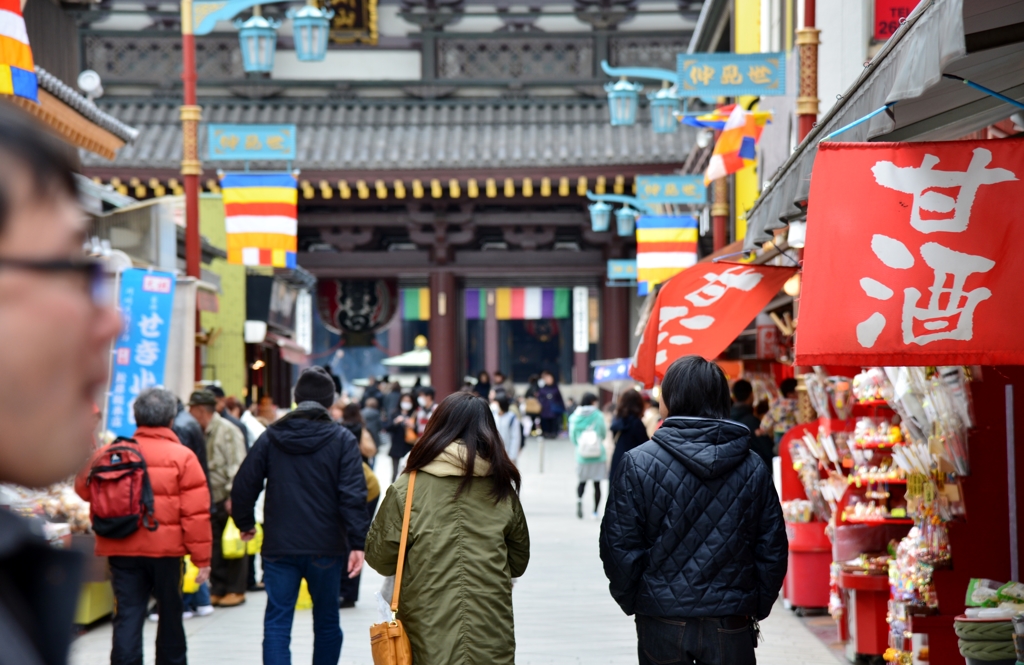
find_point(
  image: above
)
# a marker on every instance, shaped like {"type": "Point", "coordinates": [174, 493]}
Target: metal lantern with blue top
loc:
{"type": "Point", "coordinates": [625, 220]}
{"type": "Point", "coordinates": [600, 216]}
{"type": "Point", "coordinates": [311, 25]}
{"type": "Point", "coordinates": [664, 107]}
{"type": "Point", "coordinates": [258, 37]}
{"type": "Point", "coordinates": [623, 100]}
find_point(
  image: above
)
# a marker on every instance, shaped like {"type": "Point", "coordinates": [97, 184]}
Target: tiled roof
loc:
{"type": "Point", "coordinates": [401, 134]}
{"type": "Point", "coordinates": [86, 107]}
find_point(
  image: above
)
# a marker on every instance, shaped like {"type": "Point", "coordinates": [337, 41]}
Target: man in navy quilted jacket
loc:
{"type": "Point", "coordinates": [693, 540]}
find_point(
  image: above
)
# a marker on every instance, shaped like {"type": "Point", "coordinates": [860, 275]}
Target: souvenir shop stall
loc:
{"type": "Point", "coordinates": [911, 469]}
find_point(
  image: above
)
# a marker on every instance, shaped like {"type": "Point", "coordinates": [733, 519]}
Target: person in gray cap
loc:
{"type": "Point", "coordinates": [225, 451]}
{"type": "Point", "coordinates": [315, 517]}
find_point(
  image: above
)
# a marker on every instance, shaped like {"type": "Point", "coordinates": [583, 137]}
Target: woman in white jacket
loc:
{"type": "Point", "coordinates": [509, 428]}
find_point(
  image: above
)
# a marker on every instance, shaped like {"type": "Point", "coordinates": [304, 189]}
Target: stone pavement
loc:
{"type": "Point", "coordinates": [563, 612]}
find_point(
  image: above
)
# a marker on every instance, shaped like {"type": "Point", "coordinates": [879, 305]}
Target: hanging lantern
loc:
{"type": "Point", "coordinates": [258, 37]}
{"type": "Point", "coordinates": [664, 107]}
{"type": "Point", "coordinates": [625, 221]}
{"type": "Point", "coordinates": [357, 308]}
{"type": "Point", "coordinates": [600, 216]}
{"type": "Point", "coordinates": [623, 99]}
{"type": "Point", "coordinates": [311, 25]}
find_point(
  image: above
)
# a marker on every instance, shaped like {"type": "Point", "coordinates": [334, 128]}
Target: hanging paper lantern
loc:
{"type": "Point", "coordinates": [361, 306]}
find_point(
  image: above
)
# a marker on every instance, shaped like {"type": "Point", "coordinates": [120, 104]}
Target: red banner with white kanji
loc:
{"type": "Point", "coordinates": [701, 311]}
{"type": "Point", "coordinates": [915, 255]}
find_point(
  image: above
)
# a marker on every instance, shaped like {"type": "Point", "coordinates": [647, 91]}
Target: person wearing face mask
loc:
{"type": "Point", "coordinates": [403, 432]}
{"type": "Point", "coordinates": [426, 410]}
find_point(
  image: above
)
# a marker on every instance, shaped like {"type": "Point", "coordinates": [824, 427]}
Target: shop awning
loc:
{"type": "Point", "coordinates": [980, 40]}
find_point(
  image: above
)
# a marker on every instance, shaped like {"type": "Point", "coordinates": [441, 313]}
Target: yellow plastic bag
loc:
{"type": "Point", "coordinates": [188, 580]}
{"type": "Point", "coordinates": [305, 601]}
{"type": "Point", "coordinates": [254, 546]}
{"type": "Point", "coordinates": [231, 542]}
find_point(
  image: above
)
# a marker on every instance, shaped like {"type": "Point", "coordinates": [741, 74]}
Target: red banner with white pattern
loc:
{"type": "Point", "coordinates": [701, 311]}
{"type": "Point", "coordinates": [915, 255]}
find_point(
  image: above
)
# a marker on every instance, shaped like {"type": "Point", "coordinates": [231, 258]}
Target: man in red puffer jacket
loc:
{"type": "Point", "coordinates": [149, 562]}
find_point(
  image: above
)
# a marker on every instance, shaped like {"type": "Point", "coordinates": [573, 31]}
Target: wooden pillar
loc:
{"type": "Point", "coordinates": [444, 375]}
{"type": "Point", "coordinates": [615, 323]}
{"type": "Point", "coordinates": [581, 363]}
{"type": "Point", "coordinates": [492, 341]}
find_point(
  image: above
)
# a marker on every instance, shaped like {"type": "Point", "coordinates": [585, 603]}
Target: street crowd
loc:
{"type": "Point", "coordinates": [692, 539]}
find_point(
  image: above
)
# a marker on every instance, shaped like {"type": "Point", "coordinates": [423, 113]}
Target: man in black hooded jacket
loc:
{"type": "Point", "coordinates": [315, 515]}
{"type": "Point", "coordinates": [693, 540]}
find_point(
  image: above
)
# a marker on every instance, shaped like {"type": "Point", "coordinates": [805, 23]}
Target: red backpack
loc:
{"type": "Point", "coordinates": [122, 498]}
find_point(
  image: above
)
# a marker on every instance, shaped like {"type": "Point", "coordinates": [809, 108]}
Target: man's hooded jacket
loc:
{"type": "Point", "coordinates": [316, 491]}
{"type": "Point", "coordinates": [694, 527]}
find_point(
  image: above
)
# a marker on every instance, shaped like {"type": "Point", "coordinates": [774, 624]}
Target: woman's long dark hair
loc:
{"type": "Point", "coordinates": [631, 403]}
{"type": "Point", "coordinates": [466, 417]}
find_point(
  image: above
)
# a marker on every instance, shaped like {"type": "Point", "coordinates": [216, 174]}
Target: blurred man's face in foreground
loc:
{"type": "Point", "coordinates": [54, 339]}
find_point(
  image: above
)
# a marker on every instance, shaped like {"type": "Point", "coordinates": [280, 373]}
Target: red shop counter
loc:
{"type": "Point", "coordinates": [810, 555]}
{"type": "Point", "coordinates": [867, 606]}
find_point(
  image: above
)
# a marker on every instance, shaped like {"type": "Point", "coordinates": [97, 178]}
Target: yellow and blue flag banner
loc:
{"type": "Point", "coordinates": [261, 218]}
{"type": "Point", "coordinates": [665, 246]}
{"type": "Point", "coordinates": [736, 145]}
{"type": "Point", "coordinates": [17, 69]}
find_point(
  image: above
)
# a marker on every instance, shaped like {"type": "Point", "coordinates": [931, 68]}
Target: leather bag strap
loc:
{"type": "Point", "coordinates": [405, 539]}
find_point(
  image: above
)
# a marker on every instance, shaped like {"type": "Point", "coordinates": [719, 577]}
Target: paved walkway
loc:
{"type": "Point", "coordinates": [564, 614]}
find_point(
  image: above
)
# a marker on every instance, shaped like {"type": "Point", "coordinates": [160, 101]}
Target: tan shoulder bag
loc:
{"type": "Point", "coordinates": [388, 641]}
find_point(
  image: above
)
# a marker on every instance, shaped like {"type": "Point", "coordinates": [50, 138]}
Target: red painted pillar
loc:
{"type": "Point", "coordinates": [191, 167]}
{"type": "Point", "coordinates": [444, 374]}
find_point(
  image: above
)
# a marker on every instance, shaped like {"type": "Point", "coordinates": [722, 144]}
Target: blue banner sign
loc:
{"type": "Point", "coordinates": [681, 189]}
{"type": "Point", "coordinates": [622, 270]}
{"type": "Point", "coordinates": [241, 143]}
{"type": "Point", "coordinates": [140, 353]}
{"type": "Point", "coordinates": [731, 74]}
{"type": "Point", "coordinates": [612, 370]}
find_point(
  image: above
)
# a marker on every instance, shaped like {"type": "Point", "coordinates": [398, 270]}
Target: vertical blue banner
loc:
{"type": "Point", "coordinates": [140, 353]}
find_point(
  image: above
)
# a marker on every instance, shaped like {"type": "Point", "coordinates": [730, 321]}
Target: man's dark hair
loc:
{"type": "Point", "coordinates": [588, 399]}
{"type": "Point", "coordinates": [697, 388]}
{"type": "Point", "coordinates": [428, 391]}
{"type": "Point", "coordinates": [503, 403]}
{"type": "Point", "coordinates": [762, 408]}
{"type": "Point", "coordinates": [742, 390]}
{"type": "Point", "coordinates": [787, 387]}
{"type": "Point", "coordinates": [24, 144]}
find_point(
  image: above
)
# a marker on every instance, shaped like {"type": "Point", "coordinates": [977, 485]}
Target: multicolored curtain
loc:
{"type": "Point", "coordinates": [415, 304]}
{"type": "Point", "coordinates": [17, 68]}
{"type": "Point", "coordinates": [665, 246]}
{"type": "Point", "coordinates": [261, 218]}
{"type": "Point", "coordinates": [526, 303]}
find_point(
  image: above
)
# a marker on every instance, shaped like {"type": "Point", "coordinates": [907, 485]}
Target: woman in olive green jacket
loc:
{"type": "Point", "coordinates": [467, 539]}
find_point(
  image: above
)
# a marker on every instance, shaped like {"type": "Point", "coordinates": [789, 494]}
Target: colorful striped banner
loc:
{"type": "Point", "coordinates": [531, 303]}
{"type": "Point", "coordinates": [476, 304]}
{"type": "Point", "coordinates": [17, 68]}
{"type": "Point", "coordinates": [665, 246]}
{"type": "Point", "coordinates": [415, 304]}
{"type": "Point", "coordinates": [261, 218]}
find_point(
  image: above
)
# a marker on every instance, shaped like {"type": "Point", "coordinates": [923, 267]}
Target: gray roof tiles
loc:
{"type": "Point", "coordinates": [411, 135]}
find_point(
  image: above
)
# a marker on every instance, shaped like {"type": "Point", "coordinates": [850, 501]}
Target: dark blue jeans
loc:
{"type": "Point", "coordinates": [283, 576]}
{"type": "Point", "coordinates": [707, 641]}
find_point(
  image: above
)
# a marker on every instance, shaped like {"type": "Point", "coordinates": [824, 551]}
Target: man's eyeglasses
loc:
{"type": "Point", "coordinates": [92, 270]}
